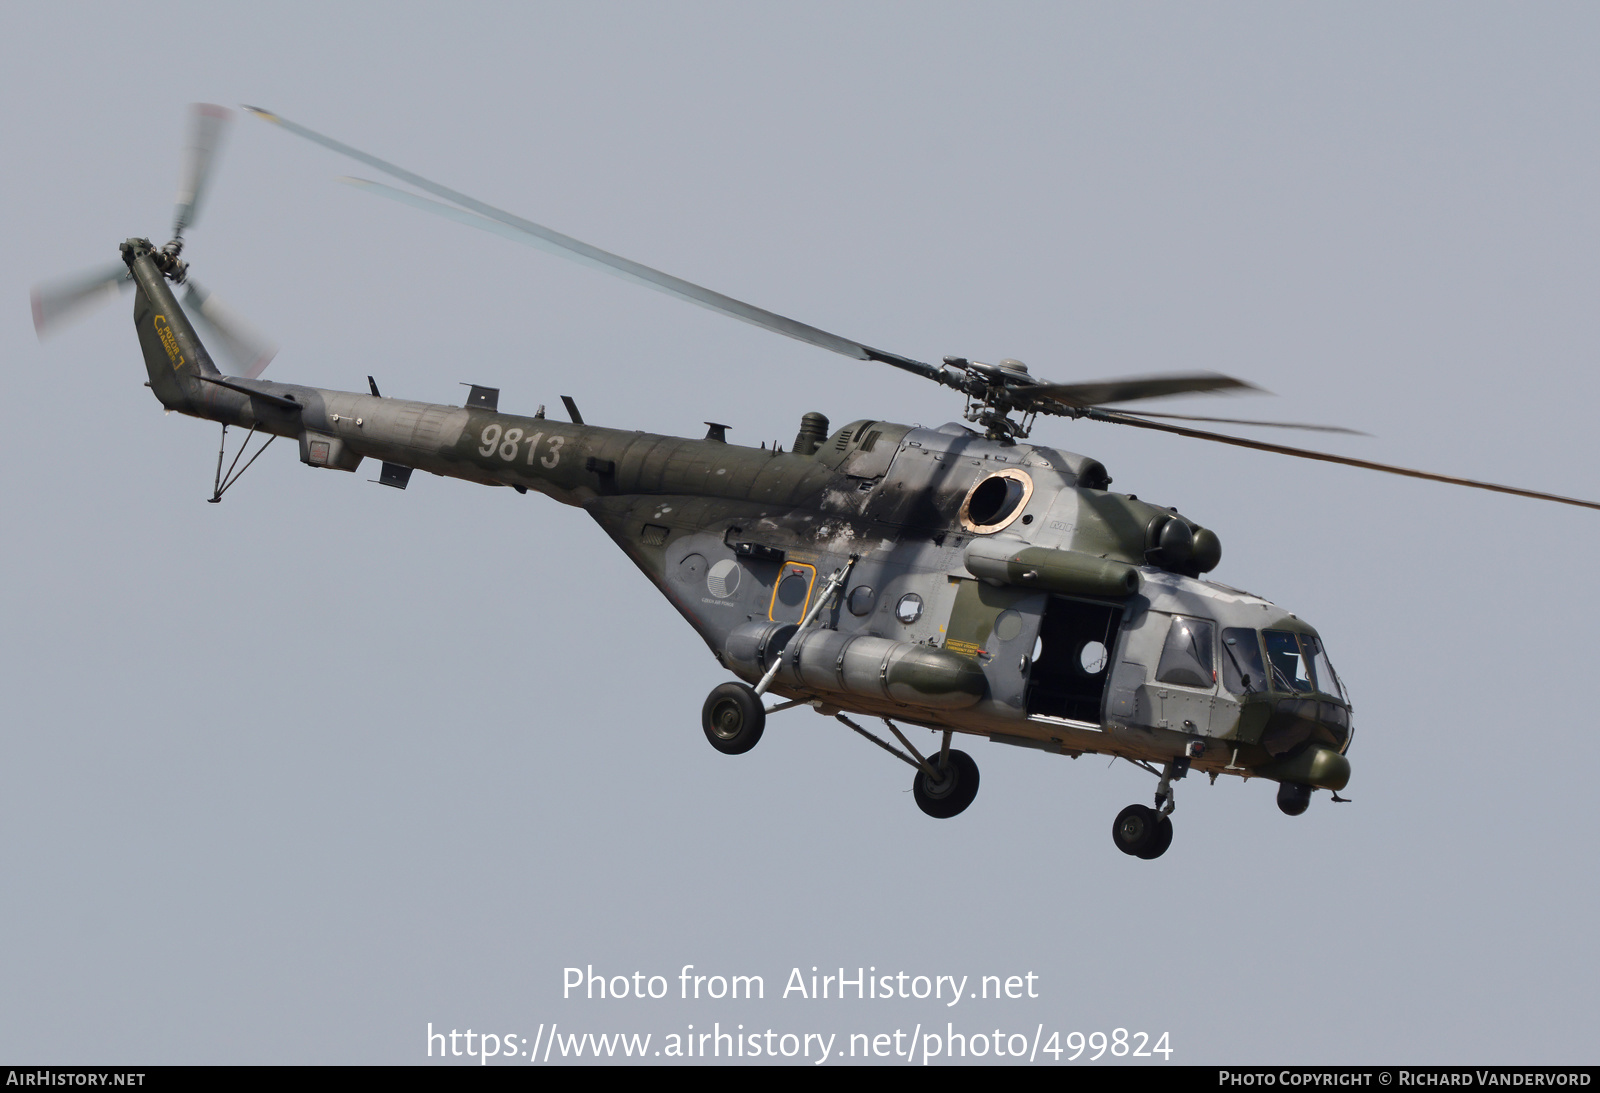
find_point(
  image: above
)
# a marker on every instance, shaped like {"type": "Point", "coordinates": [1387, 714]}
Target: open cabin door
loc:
{"type": "Point", "coordinates": [1072, 659]}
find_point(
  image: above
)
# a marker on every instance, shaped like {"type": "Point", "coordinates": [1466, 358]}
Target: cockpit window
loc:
{"type": "Point", "coordinates": [1187, 660]}
{"type": "Point", "coordinates": [1322, 670]}
{"type": "Point", "coordinates": [1242, 669]}
{"type": "Point", "coordinates": [1289, 671]}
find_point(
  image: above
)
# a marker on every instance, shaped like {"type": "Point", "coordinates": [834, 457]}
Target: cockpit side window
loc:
{"type": "Point", "coordinates": [1242, 670]}
{"type": "Point", "coordinates": [1187, 659]}
{"type": "Point", "coordinates": [1289, 671]}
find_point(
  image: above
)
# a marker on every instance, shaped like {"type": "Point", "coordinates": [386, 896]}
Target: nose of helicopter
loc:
{"type": "Point", "coordinates": [1307, 739]}
{"type": "Point", "coordinates": [1292, 722]}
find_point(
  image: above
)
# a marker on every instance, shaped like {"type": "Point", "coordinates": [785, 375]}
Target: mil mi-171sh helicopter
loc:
{"type": "Point", "coordinates": [956, 579]}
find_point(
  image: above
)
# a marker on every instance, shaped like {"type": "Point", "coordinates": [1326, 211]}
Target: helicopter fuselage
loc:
{"type": "Point", "coordinates": [959, 580]}
{"type": "Point", "coordinates": [987, 587]}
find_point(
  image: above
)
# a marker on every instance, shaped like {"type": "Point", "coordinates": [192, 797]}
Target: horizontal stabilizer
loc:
{"type": "Point", "coordinates": [276, 400]}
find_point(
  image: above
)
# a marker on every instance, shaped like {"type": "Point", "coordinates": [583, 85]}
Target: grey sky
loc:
{"type": "Point", "coordinates": [290, 777]}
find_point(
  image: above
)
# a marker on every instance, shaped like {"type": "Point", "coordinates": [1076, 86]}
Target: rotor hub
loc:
{"type": "Point", "coordinates": [171, 266]}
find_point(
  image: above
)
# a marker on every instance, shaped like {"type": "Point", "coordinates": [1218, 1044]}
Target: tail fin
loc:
{"type": "Point", "coordinates": [172, 350]}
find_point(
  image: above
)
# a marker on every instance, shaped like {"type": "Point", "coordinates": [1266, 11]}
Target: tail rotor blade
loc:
{"type": "Point", "coordinates": [207, 124]}
{"type": "Point", "coordinates": [56, 302]}
{"type": "Point", "coordinates": [234, 343]}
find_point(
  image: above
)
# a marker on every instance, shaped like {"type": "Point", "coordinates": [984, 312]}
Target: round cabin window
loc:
{"type": "Point", "coordinates": [1092, 658]}
{"type": "Point", "coordinates": [995, 500]}
{"type": "Point", "coordinates": [909, 609]}
{"type": "Point", "coordinates": [861, 599]}
{"type": "Point", "coordinates": [792, 590]}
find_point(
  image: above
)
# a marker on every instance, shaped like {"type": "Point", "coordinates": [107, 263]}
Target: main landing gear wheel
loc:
{"type": "Point", "coordinates": [1142, 832]}
{"type": "Point", "coordinates": [950, 795]}
{"type": "Point", "coordinates": [733, 718]}
{"type": "Point", "coordinates": [1162, 840]}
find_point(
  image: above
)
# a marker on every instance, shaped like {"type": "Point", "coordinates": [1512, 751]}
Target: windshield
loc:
{"type": "Point", "coordinates": [1299, 664]}
{"type": "Point", "coordinates": [1289, 671]}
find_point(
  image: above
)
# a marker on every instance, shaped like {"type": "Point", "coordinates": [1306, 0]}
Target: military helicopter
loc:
{"type": "Point", "coordinates": [956, 578]}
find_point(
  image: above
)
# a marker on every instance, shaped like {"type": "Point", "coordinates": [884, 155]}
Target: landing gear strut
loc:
{"type": "Point", "coordinates": [944, 785]}
{"type": "Point", "coordinates": [733, 716]}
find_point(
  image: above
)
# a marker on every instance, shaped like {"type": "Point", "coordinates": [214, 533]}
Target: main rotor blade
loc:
{"type": "Point", "coordinates": [1243, 421]}
{"type": "Point", "coordinates": [54, 302]}
{"type": "Point", "coordinates": [1138, 387]}
{"type": "Point", "coordinates": [206, 127]}
{"type": "Point", "coordinates": [1325, 457]}
{"type": "Point", "coordinates": [231, 340]}
{"type": "Point", "coordinates": [575, 249]}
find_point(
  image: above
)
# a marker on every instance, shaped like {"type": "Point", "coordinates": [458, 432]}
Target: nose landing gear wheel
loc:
{"type": "Point", "coordinates": [951, 794]}
{"type": "Point", "coordinates": [1142, 832]}
{"type": "Point", "coordinates": [733, 718]}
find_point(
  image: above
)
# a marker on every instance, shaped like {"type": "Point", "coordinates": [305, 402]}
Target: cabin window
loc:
{"type": "Point", "coordinates": [1092, 657]}
{"type": "Point", "coordinates": [1187, 659]}
{"type": "Point", "coordinates": [909, 609]}
{"type": "Point", "coordinates": [861, 599]}
{"type": "Point", "coordinates": [792, 592]}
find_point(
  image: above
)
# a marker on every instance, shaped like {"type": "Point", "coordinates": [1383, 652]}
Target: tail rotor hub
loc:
{"type": "Point", "coordinates": [171, 266]}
